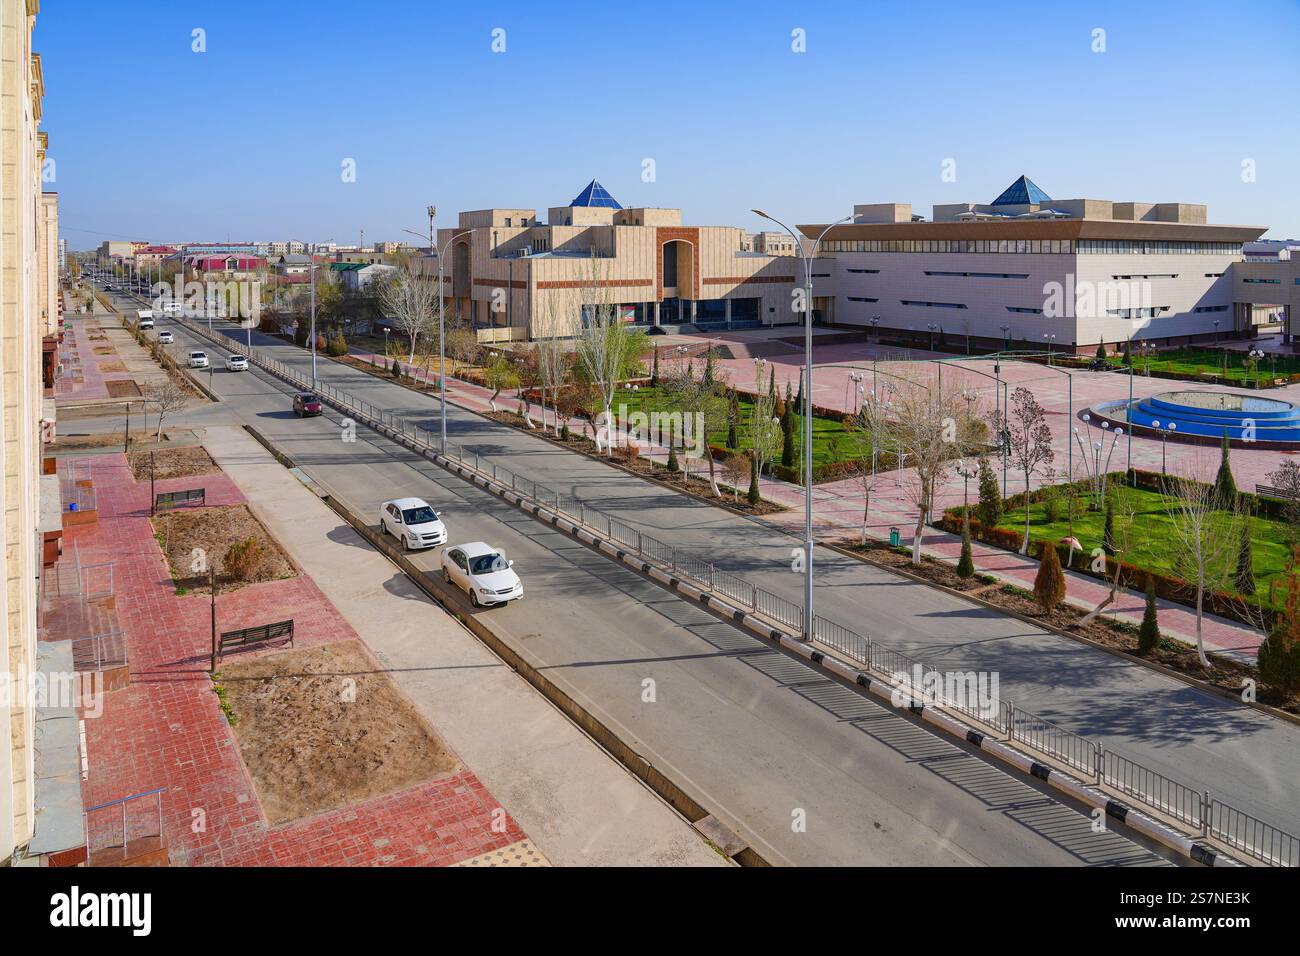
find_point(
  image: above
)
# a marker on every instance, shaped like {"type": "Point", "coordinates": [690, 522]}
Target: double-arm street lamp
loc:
{"type": "Point", "coordinates": [808, 255]}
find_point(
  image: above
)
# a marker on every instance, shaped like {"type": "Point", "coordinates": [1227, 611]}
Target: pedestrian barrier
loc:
{"type": "Point", "coordinates": [1235, 828]}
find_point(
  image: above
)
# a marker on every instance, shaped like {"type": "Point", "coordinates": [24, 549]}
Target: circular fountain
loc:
{"type": "Point", "coordinates": [1208, 416]}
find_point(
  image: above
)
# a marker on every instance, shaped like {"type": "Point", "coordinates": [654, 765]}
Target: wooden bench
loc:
{"type": "Point", "coordinates": [1270, 492]}
{"type": "Point", "coordinates": [174, 499]}
{"type": "Point", "coordinates": [257, 635]}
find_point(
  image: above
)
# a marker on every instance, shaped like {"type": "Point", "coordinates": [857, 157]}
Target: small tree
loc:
{"type": "Point", "coordinates": [1279, 655]}
{"type": "Point", "coordinates": [1245, 559]}
{"type": "Point", "coordinates": [752, 496]}
{"type": "Point", "coordinates": [654, 371]}
{"type": "Point", "coordinates": [733, 420]}
{"type": "Point", "coordinates": [1101, 351]}
{"type": "Point", "coordinates": [1225, 486]}
{"type": "Point", "coordinates": [1149, 631]}
{"type": "Point", "coordinates": [167, 396]}
{"type": "Point", "coordinates": [1030, 440]}
{"type": "Point", "coordinates": [787, 437]}
{"type": "Point", "coordinates": [1108, 529]}
{"type": "Point", "coordinates": [966, 564]}
{"type": "Point", "coordinates": [989, 509]}
{"type": "Point", "coordinates": [673, 466]}
{"type": "Point", "coordinates": [1049, 583]}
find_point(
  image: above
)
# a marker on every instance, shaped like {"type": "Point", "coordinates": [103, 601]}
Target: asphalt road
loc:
{"type": "Point", "coordinates": [809, 771]}
{"type": "Point", "coordinates": [1242, 756]}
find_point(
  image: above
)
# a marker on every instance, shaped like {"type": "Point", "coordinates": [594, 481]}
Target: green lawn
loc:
{"type": "Point", "coordinates": [1150, 538]}
{"type": "Point", "coordinates": [1193, 361]}
{"type": "Point", "coordinates": [831, 441]}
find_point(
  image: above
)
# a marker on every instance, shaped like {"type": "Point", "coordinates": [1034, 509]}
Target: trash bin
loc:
{"type": "Point", "coordinates": [893, 537]}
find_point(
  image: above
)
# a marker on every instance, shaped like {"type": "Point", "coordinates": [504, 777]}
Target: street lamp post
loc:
{"type": "Point", "coordinates": [931, 326]}
{"type": "Point", "coordinates": [807, 410]}
{"type": "Point", "coordinates": [875, 328]}
{"type": "Point", "coordinates": [1050, 337]}
{"type": "Point", "coordinates": [442, 348]}
{"type": "Point", "coordinates": [1006, 338]}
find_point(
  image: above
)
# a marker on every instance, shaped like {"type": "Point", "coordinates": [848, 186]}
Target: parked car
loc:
{"type": "Point", "coordinates": [198, 360]}
{"type": "Point", "coordinates": [306, 404]}
{"type": "Point", "coordinates": [236, 363]}
{"type": "Point", "coordinates": [165, 338]}
{"type": "Point", "coordinates": [413, 522]}
{"type": "Point", "coordinates": [483, 572]}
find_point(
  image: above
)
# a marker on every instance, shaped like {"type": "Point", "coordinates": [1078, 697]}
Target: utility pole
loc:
{"type": "Point", "coordinates": [212, 588]}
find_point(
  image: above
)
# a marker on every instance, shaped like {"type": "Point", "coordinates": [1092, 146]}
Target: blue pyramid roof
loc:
{"type": "Point", "coordinates": [594, 194]}
{"type": "Point", "coordinates": [1023, 192]}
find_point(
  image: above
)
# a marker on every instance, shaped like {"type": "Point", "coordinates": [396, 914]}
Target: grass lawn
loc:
{"type": "Point", "coordinates": [831, 441]}
{"type": "Point", "coordinates": [1192, 361]}
{"type": "Point", "coordinates": [1150, 540]}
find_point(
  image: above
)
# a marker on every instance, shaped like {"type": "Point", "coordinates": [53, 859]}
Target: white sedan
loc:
{"type": "Point", "coordinates": [236, 363]}
{"type": "Point", "coordinates": [165, 338]}
{"type": "Point", "coordinates": [412, 522]}
{"type": "Point", "coordinates": [198, 360]}
{"type": "Point", "coordinates": [483, 572]}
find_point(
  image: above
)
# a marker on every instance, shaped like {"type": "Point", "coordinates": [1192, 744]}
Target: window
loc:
{"type": "Point", "coordinates": [1210, 308]}
{"type": "Point", "coordinates": [981, 275]}
{"type": "Point", "coordinates": [1022, 309]}
{"type": "Point", "coordinates": [860, 298]}
{"type": "Point", "coordinates": [934, 305]}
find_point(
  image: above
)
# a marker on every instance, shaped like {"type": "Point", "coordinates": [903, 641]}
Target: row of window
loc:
{"type": "Point", "coordinates": [981, 275]}
{"type": "Point", "coordinates": [1039, 246]}
{"type": "Point", "coordinates": [1210, 308]}
{"type": "Point", "coordinates": [1147, 313]}
{"type": "Point", "coordinates": [934, 305]}
{"type": "Point", "coordinates": [1142, 313]}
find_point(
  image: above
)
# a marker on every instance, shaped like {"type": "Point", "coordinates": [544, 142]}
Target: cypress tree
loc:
{"type": "Point", "coordinates": [654, 371]}
{"type": "Point", "coordinates": [1049, 583]}
{"type": "Point", "coordinates": [1108, 530]}
{"type": "Point", "coordinates": [771, 386]}
{"type": "Point", "coordinates": [1101, 350]}
{"type": "Point", "coordinates": [1128, 353]}
{"type": "Point", "coordinates": [1245, 561]}
{"type": "Point", "coordinates": [1149, 631]}
{"type": "Point", "coordinates": [708, 368]}
{"type": "Point", "coordinates": [966, 565]}
{"type": "Point", "coordinates": [798, 398]}
{"type": "Point", "coordinates": [1225, 486]}
{"type": "Point", "coordinates": [673, 466]}
{"type": "Point", "coordinates": [787, 438]}
{"type": "Point", "coordinates": [733, 418]}
{"type": "Point", "coordinates": [753, 496]}
{"type": "Point", "coordinates": [989, 509]}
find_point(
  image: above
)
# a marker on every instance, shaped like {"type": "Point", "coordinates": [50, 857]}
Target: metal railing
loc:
{"type": "Point", "coordinates": [1233, 827]}
{"type": "Point", "coordinates": [134, 818]}
{"type": "Point", "coordinates": [1170, 797]}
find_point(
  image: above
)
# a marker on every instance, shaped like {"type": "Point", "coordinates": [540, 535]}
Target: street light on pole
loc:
{"type": "Point", "coordinates": [442, 351]}
{"type": "Point", "coordinates": [807, 257]}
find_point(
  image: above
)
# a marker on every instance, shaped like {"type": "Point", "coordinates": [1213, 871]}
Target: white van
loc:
{"type": "Point", "coordinates": [145, 318]}
{"type": "Point", "coordinates": [173, 308]}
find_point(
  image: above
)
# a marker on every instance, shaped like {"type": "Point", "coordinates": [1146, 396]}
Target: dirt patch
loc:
{"type": "Point", "coordinates": [104, 350]}
{"type": "Point", "coordinates": [697, 486]}
{"type": "Point", "coordinates": [121, 387]}
{"type": "Point", "coordinates": [323, 727]}
{"type": "Point", "coordinates": [415, 384]}
{"type": "Point", "coordinates": [73, 442]}
{"type": "Point", "coordinates": [1118, 635]}
{"type": "Point", "coordinates": [172, 463]}
{"type": "Point", "coordinates": [112, 366]}
{"type": "Point", "coordinates": [214, 530]}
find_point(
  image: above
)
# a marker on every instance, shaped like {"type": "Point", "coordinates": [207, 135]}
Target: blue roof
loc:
{"type": "Point", "coordinates": [1023, 192]}
{"type": "Point", "coordinates": [594, 194]}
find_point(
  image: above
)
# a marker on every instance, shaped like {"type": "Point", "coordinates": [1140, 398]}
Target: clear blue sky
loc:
{"type": "Point", "coordinates": [246, 141]}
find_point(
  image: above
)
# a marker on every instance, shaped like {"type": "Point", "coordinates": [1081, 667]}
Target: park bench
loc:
{"type": "Point", "coordinates": [1269, 491]}
{"type": "Point", "coordinates": [173, 499]}
{"type": "Point", "coordinates": [260, 634]}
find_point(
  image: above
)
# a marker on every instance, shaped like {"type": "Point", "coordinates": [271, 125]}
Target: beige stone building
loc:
{"type": "Point", "coordinates": [1031, 272]}
{"type": "Point", "coordinates": [28, 314]}
{"type": "Point", "coordinates": [516, 277]}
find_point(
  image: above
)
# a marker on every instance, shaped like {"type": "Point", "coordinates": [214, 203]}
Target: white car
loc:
{"type": "Point", "coordinates": [165, 338]}
{"type": "Point", "coordinates": [413, 522]}
{"type": "Point", "coordinates": [483, 572]}
{"type": "Point", "coordinates": [236, 363]}
{"type": "Point", "coordinates": [198, 360]}
{"type": "Point", "coordinates": [173, 308]}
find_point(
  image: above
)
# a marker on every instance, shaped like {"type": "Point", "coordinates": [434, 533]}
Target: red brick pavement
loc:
{"type": "Point", "coordinates": [167, 730]}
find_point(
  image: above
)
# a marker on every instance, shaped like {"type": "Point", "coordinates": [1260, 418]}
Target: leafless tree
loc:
{"type": "Point", "coordinates": [167, 396]}
{"type": "Point", "coordinates": [557, 317]}
{"type": "Point", "coordinates": [411, 301]}
{"type": "Point", "coordinates": [930, 430]}
{"type": "Point", "coordinates": [608, 352]}
{"type": "Point", "coordinates": [1204, 543]}
{"type": "Point", "coordinates": [1029, 438]}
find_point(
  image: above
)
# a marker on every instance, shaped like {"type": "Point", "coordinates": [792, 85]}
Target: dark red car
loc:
{"type": "Point", "coordinates": [305, 404]}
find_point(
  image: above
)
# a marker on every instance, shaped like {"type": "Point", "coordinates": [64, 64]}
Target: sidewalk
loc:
{"type": "Point", "coordinates": [837, 514]}
{"type": "Point", "coordinates": [166, 729]}
{"type": "Point", "coordinates": [578, 805]}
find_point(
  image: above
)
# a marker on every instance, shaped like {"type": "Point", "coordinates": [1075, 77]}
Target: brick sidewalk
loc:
{"type": "Point", "coordinates": [166, 728]}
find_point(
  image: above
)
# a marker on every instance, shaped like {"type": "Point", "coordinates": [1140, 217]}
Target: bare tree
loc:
{"type": "Point", "coordinates": [1123, 511]}
{"type": "Point", "coordinates": [869, 423]}
{"type": "Point", "coordinates": [704, 408]}
{"type": "Point", "coordinates": [1030, 441]}
{"type": "Point", "coordinates": [167, 396]}
{"type": "Point", "coordinates": [608, 352]}
{"type": "Point", "coordinates": [411, 301]}
{"type": "Point", "coordinates": [764, 426]}
{"type": "Point", "coordinates": [929, 430]}
{"type": "Point", "coordinates": [554, 356]}
{"type": "Point", "coordinates": [1204, 543]}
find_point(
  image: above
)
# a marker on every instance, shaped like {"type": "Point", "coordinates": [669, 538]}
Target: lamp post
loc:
{"type": "Point", "coordinates": [875, 328]}
{"type": "Point", "coordinates": [931, 326]}
{"type": "Point", "coordinates": [1050, 337]}
{"type": "Point", "coordinates": [967, 472]}
{"type": "Point", "coordinates": [1164, 432]}
{"type": "Point", "coordinates": [1216, 333]}
{"type": "Point", "coordinates": [442, 348]}
{"type": "Point", "coordinates": [807, 257]}
{"type": "Point", "coordinates": [1256, 355]}
{"type": "Point", "coordinates": [1006, 338]}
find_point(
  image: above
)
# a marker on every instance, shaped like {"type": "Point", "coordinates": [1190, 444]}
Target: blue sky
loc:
{"type": "Point", "coordinates": [247, 140]}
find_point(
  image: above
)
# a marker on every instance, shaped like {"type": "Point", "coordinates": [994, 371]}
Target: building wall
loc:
{"type": "Point", "coordinates": [21, 331]}
{"type": "Point", "coordinates": [977, 292]}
